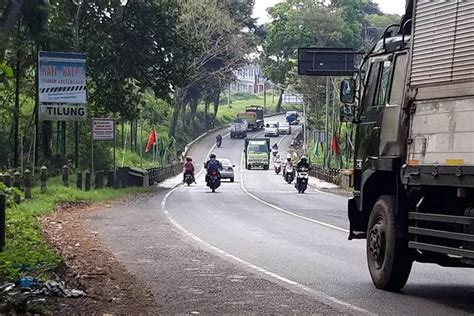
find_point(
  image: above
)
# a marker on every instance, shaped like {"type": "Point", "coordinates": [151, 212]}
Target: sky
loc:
{"type": "Point", "coordinates": [387, 6]}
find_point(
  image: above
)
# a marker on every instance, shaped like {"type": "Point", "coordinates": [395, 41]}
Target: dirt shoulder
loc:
{"type": "Point", "coordinates": [89, 266]}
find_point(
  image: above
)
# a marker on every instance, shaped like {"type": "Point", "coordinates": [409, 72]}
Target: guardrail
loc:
{"type": "Point", "coordinates": [328, 175]}
{"type": "Point", "coordinates": [157, 175]}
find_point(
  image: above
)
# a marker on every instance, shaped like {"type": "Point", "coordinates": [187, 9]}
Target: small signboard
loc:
{"type": "Point", "coordinates": [62, 112]}
{"type": "Point", "coordinates": [103, 129]}
{"type": "Point", "coordinates": [62, 77]}
{"type": "Point", "coordinates": [320, 136]}
{"type": "Point", "coordinates": [327, 61]}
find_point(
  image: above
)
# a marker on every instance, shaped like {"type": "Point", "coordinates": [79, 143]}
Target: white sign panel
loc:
{"type": "Point", "coordinates": [292, 98]}
{"type": "Point", "coordinates": [62, 112]}
{"type": "Point", "coordinates": [62, 77]}
{"type": "Point", "coordinates": [103, 129]}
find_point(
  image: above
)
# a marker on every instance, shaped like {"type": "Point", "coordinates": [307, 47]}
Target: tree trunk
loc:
{"type": "Point", "coordinates": [193, 105]}
{"type": "Point", "coordinates": [179, 100]}
{"type": "Point", "coordinates": [217, 100]}
{"type": "Point", "coordinates": [11, 15]}
{"type": "Point", "coordinates": [280, 101]}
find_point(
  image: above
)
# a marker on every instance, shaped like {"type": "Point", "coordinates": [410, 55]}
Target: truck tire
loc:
{"type": "Point", "coordinates": [266, 167]}
{"type": "Point", "coordinates": [249, 167]}
{"type": "Point", "coordinates": [387, 257]}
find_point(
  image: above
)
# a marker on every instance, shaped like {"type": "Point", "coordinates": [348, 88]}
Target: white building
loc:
{"type": "Point", "coordinates": [248, 79]}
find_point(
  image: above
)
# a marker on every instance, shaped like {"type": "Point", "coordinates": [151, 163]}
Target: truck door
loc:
{"type": "Point", "coordinates": [375, 96]}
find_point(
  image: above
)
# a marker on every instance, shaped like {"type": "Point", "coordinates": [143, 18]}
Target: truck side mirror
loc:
{"type": "Point", "coordinates": [347, 113]}
{"type": "Point", "coordinates": [348, 91]}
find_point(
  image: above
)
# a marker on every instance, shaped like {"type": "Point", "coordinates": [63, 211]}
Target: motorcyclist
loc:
{"type": "Point", "coordinates": [275, 146]}
{"type": "Point", "coordinates": [219, 139]}
{"type": "Point", "coordinates": [212, 165]}
{"type": "Point", "coordinates": [303, 164]}
{"type": "Point", "coordinates": [188, 168]}
{"type": "Point", "coordinates": [275, 150]}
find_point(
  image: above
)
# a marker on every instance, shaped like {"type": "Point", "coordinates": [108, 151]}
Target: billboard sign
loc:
{"type": "Point", "coordinates": [62, 112]}
{"type": "Point", "coordinates": [327, 61]}
{"type": "Point", "coordinates": [62, 77]}
{"type": "Point", "coordinates": [103, 129]}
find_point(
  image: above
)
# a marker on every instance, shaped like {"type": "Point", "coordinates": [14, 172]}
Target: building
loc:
{"type": "Point", "coordinates": [249, 79]}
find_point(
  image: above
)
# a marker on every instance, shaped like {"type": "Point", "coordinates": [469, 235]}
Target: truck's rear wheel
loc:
{"type": "Point", "coordinates": [249, 167]}
{"type": "Point", "coordinates": [387, 257]}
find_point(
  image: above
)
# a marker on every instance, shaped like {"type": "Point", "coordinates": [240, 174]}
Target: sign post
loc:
{"type": "Point", "coordinates": [103, 129]}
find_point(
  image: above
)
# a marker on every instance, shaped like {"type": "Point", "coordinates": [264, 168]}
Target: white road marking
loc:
{"type": "Point", "coordinates": [325, 298]}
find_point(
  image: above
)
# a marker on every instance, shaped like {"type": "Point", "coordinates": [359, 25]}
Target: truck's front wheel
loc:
{"type": "Point", "coordinates": [388, 257]}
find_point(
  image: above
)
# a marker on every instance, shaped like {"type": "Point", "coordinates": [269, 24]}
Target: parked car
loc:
{"type": "Point", "coordinates": [227, 171]}
{"type": "Point", "coordinates": [284, 128]}
{"type": "Point", "coordinates": [271, 129]}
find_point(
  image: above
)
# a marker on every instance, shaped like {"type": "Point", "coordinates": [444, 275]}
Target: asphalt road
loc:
{"type": "Point", "coordinates": [301, 241]}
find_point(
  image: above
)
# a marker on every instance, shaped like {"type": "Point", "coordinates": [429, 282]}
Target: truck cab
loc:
{"type": "Point", "coordinates": [257, 153]}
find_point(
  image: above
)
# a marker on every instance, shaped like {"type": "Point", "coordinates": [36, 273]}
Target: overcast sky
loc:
{"type": "Point", "coordinates": [387, 6]}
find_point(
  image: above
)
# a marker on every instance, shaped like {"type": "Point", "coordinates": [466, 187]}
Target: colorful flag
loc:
{"type": "Point", "coordinates": [151, 140]}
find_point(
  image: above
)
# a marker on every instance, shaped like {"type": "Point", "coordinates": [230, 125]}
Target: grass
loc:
{"type": "Point", "coordinates": [26, 252]}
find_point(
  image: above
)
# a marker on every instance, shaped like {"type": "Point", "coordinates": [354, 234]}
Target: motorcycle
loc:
{"type": "Point", "coordinates": [213, 181]}
{"type": "Point", "coordinates": [218, 142]}
{"type": "Point", "coordinates": [302, 180]}
{"type": "Point", "coordinates": [277, 166]}
{"type": "Point", "coordinates": [188, 178]}
{"type": "Point", "coordinates": [289, 174]}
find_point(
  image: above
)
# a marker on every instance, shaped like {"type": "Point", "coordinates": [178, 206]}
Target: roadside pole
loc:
{"type": "Point", "coordinates": [326, 145]}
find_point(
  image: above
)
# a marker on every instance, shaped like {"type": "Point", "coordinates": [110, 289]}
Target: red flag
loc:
{"type": "Point", "coordinates": [335, 145]}
{"type": "Point", "coordinates": [151, 140]}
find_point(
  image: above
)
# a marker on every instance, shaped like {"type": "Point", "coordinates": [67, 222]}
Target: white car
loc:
{"type": "Point", "coordinates": [271, 129]}
{"type": "Point", "coordinates": [284, 128]}
{"type": "Point", "coordinates": [227, 171]}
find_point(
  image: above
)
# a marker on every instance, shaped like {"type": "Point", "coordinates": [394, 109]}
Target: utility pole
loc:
{"type": "Point", "coordinates": [264, 97]}
{"type": "Point", "coordinates": [78, 3]}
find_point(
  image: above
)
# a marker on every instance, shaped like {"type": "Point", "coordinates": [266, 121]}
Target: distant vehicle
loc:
{"type": "Point", "coordinates": [271, 129]}
{"type": "Point", "coordinates": [257, 153]}
{"type": "Point", "coordinates": [258, 110]}
{"type": "Point", "coordinates": [292, 117]}
{"type": "Point", "coordinates": [238, 128]}
{"type": "Point", "coordinates": [250, 118]}
{"type": "Point", "coordinates": [284, 128]}
{"type": "Point", "coordinates": [227, 171]}
{"type": "Point", "coordinates": [188, 178]}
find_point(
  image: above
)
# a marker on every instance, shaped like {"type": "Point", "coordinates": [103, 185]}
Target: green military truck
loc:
{"type": "Point", "coordinates": [257, 153]}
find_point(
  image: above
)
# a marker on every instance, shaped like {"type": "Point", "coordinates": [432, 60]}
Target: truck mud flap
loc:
{"type": "Point", "coordinates": [357, 223]}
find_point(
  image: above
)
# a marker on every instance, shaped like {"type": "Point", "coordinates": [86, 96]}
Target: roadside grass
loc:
{"type": "Point", "coordinates": [26, 252]}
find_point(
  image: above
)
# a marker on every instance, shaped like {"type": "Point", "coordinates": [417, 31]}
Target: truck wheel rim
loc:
{"type": "Point", "coordinates": [377, 237]}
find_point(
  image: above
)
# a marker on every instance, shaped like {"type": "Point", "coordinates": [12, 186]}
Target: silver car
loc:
{"type": "Point", "coordinates": [227, 171]}
{"type": "Point", "coordinates": [284, 128]}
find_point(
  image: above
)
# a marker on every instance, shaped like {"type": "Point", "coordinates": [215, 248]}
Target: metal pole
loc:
{"type": "Point", "coordinates": [264, 97]}
{"type": "Point", "coordinates": [326, 149]}
{"type": "Point", "coordinates": [141, 140]}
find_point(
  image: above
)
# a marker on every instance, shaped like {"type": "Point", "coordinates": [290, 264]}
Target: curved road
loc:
{"type": "Point", "coordinates": [301, 241]}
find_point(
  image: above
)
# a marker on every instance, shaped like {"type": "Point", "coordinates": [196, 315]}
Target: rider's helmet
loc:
{"type": "Point", "coordinates": [304, 159]}
{"type": "Point", "coordinates": [189, 159]}
{"type": "Point", "coordinates": [212, 156]}
{"type": "Point", "coordinates": [288, 158]}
